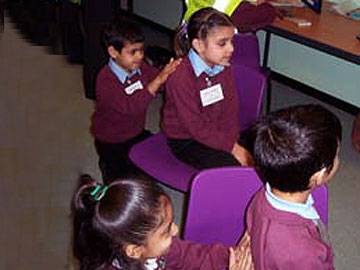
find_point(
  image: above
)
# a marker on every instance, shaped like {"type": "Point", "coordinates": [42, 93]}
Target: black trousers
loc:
{"type": "Point", "coordinates": [199, 155]}
{"type": "Point", "coordinates": [114, 161]}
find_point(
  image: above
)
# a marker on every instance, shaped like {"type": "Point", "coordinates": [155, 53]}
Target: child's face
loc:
{"type": "Point", "coordinates": [131, 56]}
{"type": "Point", "coordinates": [159, 240]}
{"type": "Point", "coordinates": [217, 48]}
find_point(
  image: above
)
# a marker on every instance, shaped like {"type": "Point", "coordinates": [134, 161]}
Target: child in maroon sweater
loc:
{"type": "Point", "coordinates": [200, 116]}
{"type": "Point", "coordinates": [130, 225]}
{"type": "Point", "coordinates": [296, 149]}
{"type": "Point", "coordinates": [124, 89]}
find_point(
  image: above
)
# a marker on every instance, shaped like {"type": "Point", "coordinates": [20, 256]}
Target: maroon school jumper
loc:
{"type": "Point", "coordinates": [118, 116]}
{"type": "Point", "coordinates": [282, 240]}
{"type": "Point", "coordinates": [184, 117]}
{"type": "Point", "coordinates": [186, 255]}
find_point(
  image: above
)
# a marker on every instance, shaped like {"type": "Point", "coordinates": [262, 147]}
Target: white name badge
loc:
{"type": "Point", "coordinates": [211, 95]}
{"type": "Point", "coordinates": [133, 87]}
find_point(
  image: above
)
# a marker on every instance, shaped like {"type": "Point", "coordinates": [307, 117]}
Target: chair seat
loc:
{"type": "Point", "coordinates": [154, 156]}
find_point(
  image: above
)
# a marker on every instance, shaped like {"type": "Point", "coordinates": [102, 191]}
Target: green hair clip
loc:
{"type": "Point", "coordinates": [99, 192]}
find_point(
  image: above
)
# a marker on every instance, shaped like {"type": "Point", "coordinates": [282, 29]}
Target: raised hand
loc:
{"type": "Point", "coordinates": [170, 67]}
{"type": "Point", "coordinates": [240, 257]}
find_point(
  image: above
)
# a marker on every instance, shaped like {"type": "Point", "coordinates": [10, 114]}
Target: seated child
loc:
{"type": "Point", "coordinates": [295, 150]}
{"type": "Point", "coordinates": [124, 89]}
{"type": "Point", "coordinates": [200, 115]}
{"type": "Point", "coordinates": [130, 225]}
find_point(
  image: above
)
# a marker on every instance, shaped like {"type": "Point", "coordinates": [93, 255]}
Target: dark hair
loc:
{"type": "Point", "coordinates": [199, 26]}
{"type": "Point", "coordinates": [126, 214]}
{"type": "Point", "coordinates": [120, 32]}
{"type": "Point", "coordinates": [292, 144]}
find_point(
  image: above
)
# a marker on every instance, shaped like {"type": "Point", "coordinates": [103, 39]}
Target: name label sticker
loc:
{"type": "Point", "coordinates": [211, 95]}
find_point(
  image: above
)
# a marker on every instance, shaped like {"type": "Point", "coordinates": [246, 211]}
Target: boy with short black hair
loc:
{"type": "Point", "coordinates": [124, 89]}
{"type": "Point", "coordinates": [295, 150]}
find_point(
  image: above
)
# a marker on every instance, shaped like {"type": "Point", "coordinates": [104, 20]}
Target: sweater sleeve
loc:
{"type": "Point", "coordinates": [191, 114]}
{"type": "Point", "coordinates": [186, 255]}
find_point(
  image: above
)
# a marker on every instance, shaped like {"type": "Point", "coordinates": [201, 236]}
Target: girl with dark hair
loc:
{"type": "Point", "coordinates": [200, 116]}
{"type": "Point", "coordinates": [129, 225]}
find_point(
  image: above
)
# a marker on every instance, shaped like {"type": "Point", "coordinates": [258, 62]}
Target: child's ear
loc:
{"type": "Point", "coordinates": [134, 251]}
{"type": "Point", "coordinates": [112, 52]}
{"type": "Point", "coordinates": [319, 178]}
{"type": "Point", "coordinates": [198, 45]}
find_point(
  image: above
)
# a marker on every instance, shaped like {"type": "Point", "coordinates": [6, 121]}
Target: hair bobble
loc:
{"type": "Point", "coordinates": [99, 192]}
{"type": "Point", "coordinates": [183, 30]}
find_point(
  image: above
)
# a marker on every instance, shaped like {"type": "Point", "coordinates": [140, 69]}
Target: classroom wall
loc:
{"type": "Point", "coordinates": [322, 71]}
{"type": "Point", "coordinates": [165, 12]}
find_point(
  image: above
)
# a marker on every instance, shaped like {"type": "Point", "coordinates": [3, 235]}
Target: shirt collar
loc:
{"type": "Point", "coordinates": [200, 66]}
{"type": "Point", "coordinates": [121, 73]}
{"type": "Point", "coordinates": [306, 210]}
{"type": "Point", "coordinates": [155, 264]}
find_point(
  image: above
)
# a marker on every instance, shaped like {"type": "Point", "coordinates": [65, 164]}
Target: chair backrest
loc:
{"type": "Point", "coordinates": [154, 157]}
{"type": "Point", "coordinates": [217, 204]}
{"type": "Point", "coordinates": [246, 50]}
{"type": "Point", "coordinates": [320, 195]}
{"type": "Point", "coordinates": [251, 85]}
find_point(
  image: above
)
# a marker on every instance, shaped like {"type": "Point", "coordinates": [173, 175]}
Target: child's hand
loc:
{"type": "Point", "coordinates": [170, 67]}
{"type": "Point", "coordinates": [240, 257]}
{"type": "Point", "coordinates": [242, 155]}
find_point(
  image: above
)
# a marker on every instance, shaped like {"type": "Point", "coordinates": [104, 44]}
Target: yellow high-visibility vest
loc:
{"type": "Point", "coordinates": [226, 6]}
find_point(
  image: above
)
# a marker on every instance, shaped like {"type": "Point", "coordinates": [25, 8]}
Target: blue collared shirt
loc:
{"type": "Point", "coordinates": [200, 66]}
{"type": "Point", "coordinates": [121, 73]}
{"type": "Point", "coordinates": [306, 210]}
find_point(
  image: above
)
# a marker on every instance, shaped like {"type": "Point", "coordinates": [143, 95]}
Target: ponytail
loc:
{"type": "Point", "coordinates": [181, 42]}
{"type": "Point", "coordinates": [88, 244]}
{"type": "Point", "coordinates": [107, 218]}
{"type": "Point", "coordinates": [199, 26]}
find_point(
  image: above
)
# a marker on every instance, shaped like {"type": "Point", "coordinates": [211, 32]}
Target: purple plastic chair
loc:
{"type": "Point", "coordinates": [320, 195]}
{"type": "Point", "coordinates": [247, 53]}
{"type": "Point", "coordinates": [251, 86]}
{"type": "Point", "coordinates": [218, 202]}
{"type": "Point", "coordinates": [246, 50]}
{"type": "Point", "coordinates": [154, 156]}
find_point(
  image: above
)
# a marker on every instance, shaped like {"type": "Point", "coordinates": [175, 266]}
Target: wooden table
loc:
{"type": "Point", "coordinates": [329, 32]}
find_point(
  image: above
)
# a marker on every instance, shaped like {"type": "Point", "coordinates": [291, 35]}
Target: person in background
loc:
{"type": "Point", "coordinates": [96, 15]}
{"type": "Point", "coordinates": [247, 16]}
{"type": "Point", "coordinates": [295, 150]}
